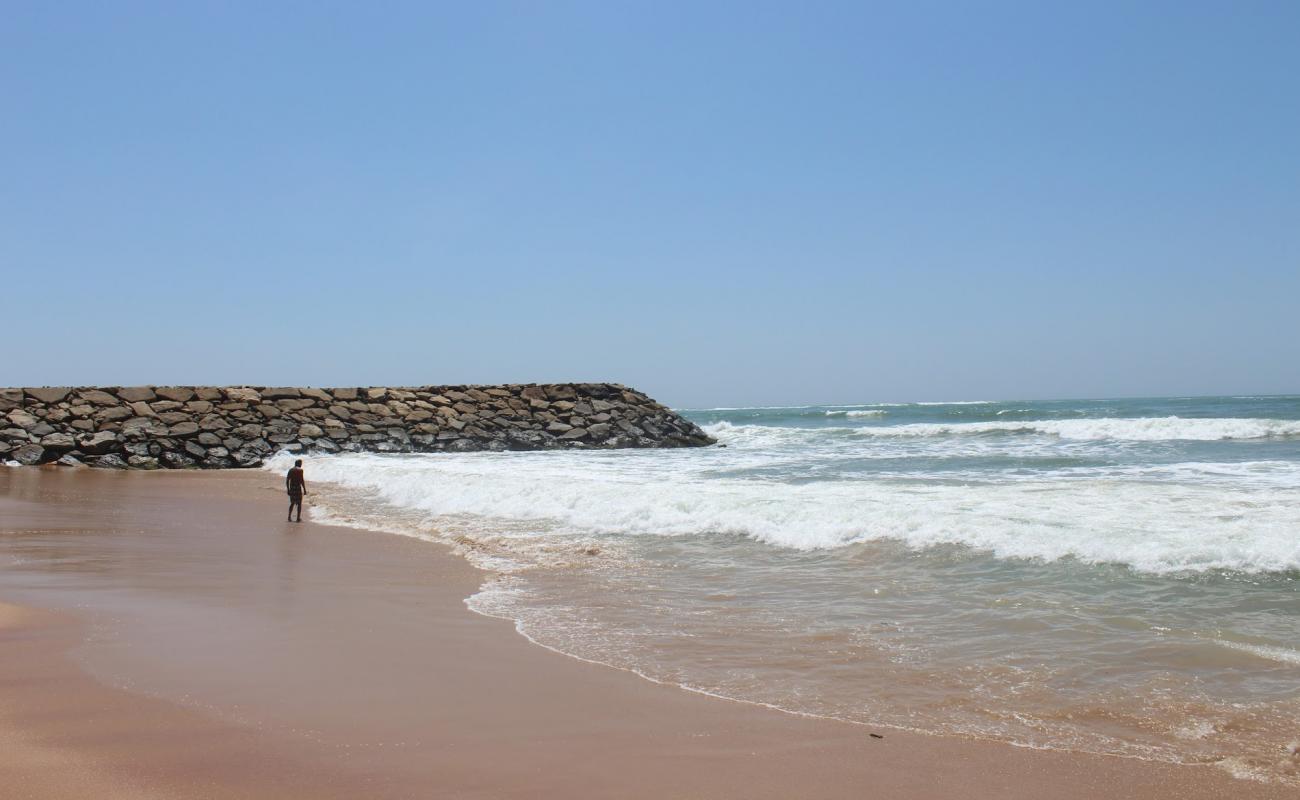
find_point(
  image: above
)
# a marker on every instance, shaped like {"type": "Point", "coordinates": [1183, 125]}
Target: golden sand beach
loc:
{"type": "Point", "coordinates": [167, 635]}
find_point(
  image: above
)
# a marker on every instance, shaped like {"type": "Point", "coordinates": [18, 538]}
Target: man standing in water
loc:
{"type": "Point", "coordinates": [297, 487]}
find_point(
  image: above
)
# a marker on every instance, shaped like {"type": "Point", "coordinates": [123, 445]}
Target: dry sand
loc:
{"type": "Point", "coordinates": [167, 635]}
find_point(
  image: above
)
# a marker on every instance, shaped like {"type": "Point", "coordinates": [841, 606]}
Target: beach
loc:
{"type": "Point", "coordinates": [168, 635]}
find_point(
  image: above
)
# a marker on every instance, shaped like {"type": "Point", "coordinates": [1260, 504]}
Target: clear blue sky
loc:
{"type": "Point", "coordinates": [719, 203]}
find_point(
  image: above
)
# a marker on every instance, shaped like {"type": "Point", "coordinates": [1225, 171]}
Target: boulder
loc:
{"type": "Point", "coordinates": [176, 460]}
{"type": "Point", "coordinates": [178, 393]}
{"type": "Point", "coordinates": [48, 394]}
{"type": "Point", "coordinates": [344, 394]}
{"type": "Point", "coordinates": [142, 462]}
{"type": "Point", "coordinates": [310, 430]}
{"type": "Point", "coordinates": [134, 394]}
{"type": "Point", "coordinates": [59, 442]}
{"type": "Point", "coordinates": [249, 431]}
{"type": "Point", "coordinates": [213, 422]}
{"type": "Point", "coordinates": [97, 443]}
{"type": "Point", "coordinates": [113, 414]}
{"type": "Point", "coordinates": [69, 460]}
{"type": "Point", "coordinates": [198, 406]}
{"type": "Point", "coordinates": [187, 428]}
{"type": "Point", "coordinates": [110, 461]}
{"type": "Point", "coordinates": [317, 394]}
{"type": "Point", "coordinates": [28, 454]}
{"type": "Point", "coordinates": [21, 419]}
{"type": "Point", "coordinates": [243, 394]}
{"type": "Point", "coordinates": [10, 399]}
{"type": "Point", "coordinates": [98, 397]}
{"type": "Point", "coordinates": [576, 433]}
{"type": "Point", "coordinates": [280, 392]}
{"type": "Point", "coordinates": [142, 409]}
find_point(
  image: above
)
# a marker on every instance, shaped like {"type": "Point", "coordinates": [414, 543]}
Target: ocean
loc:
{"type": "Point", "coordinates": [1107, 576]}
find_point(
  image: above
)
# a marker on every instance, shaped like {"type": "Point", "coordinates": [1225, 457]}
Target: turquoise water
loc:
{"type": "Point", "coordinates": [1113, 576]}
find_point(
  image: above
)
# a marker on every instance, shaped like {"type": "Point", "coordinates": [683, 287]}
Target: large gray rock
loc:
{"type": "Point", "coordinates": [10, 399]}
{"type": "Point", "coordinates": [21, 419]}
{"type": "Point", "coordinates": [134, 394]}
{"type": "Point", "coordinates": [187, 428]}
{"type": "Point", "coordinates": [114, 414]}
{"type": "Point", "coordinates": [98, 397]}
{"type": "Point", "coordinates": [28, 454]}
{"type": "Point", "coordinates": [59, 442]}
{"type": "Point", "coordinates": [97, 443]}
{"type": "Point", "coordinates": [48, 394]}
{"type": "Point", "coordinates": [280, 392]}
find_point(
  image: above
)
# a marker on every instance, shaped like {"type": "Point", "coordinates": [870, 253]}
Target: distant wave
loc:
{"type": "Point", "coordinates": [1140, 429]}
{"type": "Point", "coordinates": [866, 412]}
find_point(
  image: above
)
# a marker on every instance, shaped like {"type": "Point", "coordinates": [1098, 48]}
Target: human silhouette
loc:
{"type": "Point", "coordinates": [297, 486]}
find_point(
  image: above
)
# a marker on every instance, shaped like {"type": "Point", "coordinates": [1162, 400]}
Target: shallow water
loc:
{"type": "Point", "coordinates": [1108, 576]}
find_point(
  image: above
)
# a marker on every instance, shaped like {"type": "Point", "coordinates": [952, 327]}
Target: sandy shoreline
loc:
{"type": "Point", "coordinates": [167, 635]}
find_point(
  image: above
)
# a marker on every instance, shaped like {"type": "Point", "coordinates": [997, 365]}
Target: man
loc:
{"type": "Point", "coordinates": [297, 487]}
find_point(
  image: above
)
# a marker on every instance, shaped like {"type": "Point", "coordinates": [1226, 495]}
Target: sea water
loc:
{"type": "Point", "coordinates": [1108, 576]}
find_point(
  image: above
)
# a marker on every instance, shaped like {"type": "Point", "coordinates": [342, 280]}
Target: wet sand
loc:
{"type": "Point", "coordinates": [168, 635]}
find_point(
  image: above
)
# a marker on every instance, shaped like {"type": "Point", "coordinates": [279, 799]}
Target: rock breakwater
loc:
{"type": "Point", "coordinates": [210, 427]}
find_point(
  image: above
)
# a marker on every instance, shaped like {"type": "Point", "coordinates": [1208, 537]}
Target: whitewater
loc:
{"type": "Point", "coordinates": [1115, 576]}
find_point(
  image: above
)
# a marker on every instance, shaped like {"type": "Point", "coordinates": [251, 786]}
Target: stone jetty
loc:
{"type": "Point", "coordinates": [210, 427]}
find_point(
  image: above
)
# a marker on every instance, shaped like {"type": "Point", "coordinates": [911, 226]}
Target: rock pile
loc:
{"type": "Point", "coordinates": [208, 427]}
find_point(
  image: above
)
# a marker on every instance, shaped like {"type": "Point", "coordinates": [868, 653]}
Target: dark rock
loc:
{"type": "Point", "coordinates": [142, 462]}
{"type": "Point", "coordinates": [97, 443]}
{"type": "Point", "coordinates": [22, 419]}
{"type": "Point", "coordinates": [110, 461]}
{"type": "Point", "coordinates": [195, 449]}
{"type": "Point", "coordinates": [187, 428]}
{"type": "Point", "coordinates": [207, 439]}
{"type": "Point", "coordinates": [176, 460]}
{"type": "Point", "coordinates": [113, 414]}
{"type": "Point", "coordinates": [60, 442]}
{"type": "Point", "coordinates": [10, 399]}
{"type": "Point", "coordinates": [69, 460]}
{"type": "Point", "coordinates": [28, 454]}
{"type": "Point", "coordinates": [213, 422]}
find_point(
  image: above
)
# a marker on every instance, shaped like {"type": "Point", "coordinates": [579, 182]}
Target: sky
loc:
{"type": "Point", "coordinates": [717, 203]}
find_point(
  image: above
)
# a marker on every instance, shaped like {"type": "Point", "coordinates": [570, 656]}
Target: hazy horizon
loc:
{"type": "Point", "coordinates": [730, 205]}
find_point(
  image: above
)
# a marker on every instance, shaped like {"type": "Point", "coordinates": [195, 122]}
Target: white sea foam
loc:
{"type": "Point", "coordinates": [863, 412]}
{"type": "Point", "coordinates": [1283, 655]}
{"type": "Point", "coordinates": [1145, 429]}
{"type": "Point", "coordinates": [1152, 527]}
